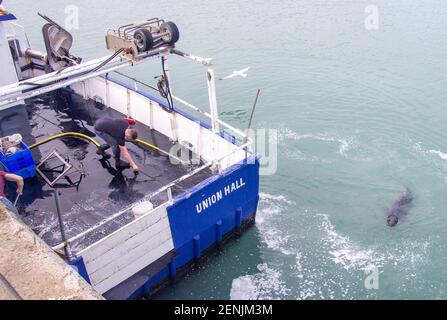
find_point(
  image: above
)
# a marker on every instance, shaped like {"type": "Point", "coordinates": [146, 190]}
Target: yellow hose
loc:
{"type": "Point", "coordinates": [147, 144]}
{"type": "Point", "coordinates": [66, 134]}
{"type": "Point", "coordinates": [85, 137]}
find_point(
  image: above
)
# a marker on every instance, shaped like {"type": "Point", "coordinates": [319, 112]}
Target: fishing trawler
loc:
{"type": "Point", "coordinates": [127, 234]}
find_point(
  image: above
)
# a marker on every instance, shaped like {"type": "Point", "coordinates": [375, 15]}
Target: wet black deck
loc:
{"type": "Point", "coordinates": [104, 190]}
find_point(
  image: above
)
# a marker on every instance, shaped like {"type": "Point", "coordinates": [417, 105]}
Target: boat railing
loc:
{"type": "Point", "coordinates": [167, 188]}
{"type": "Point", "coordinates": [11, 32]}
{"type": "Point", "coordinates": [243, 136]}
{"type": "Point", "coordinates": [206, 114]}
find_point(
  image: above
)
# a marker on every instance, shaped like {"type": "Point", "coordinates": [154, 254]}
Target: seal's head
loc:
{"type": "Point", "coordinates": [392, 220]}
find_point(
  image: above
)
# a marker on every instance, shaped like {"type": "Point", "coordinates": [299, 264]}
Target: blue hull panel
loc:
{"type": "Point", "coordinates": [200, 217]}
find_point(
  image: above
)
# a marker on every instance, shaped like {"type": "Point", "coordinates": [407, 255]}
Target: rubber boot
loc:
{"type": "Point", "coordinates": [102, 151]}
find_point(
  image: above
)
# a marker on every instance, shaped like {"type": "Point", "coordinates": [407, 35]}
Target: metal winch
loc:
{"type": "Point", "coordinates": [134, 38]}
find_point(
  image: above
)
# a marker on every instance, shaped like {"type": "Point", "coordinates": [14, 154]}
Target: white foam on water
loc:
{"type": "Point", "coordinates": [244, 288]}
{"type": "Point", "coordinates": [419, 149]}
{"type": "Point", "coordinates": [270, 209]}
{"type": "Point", "coordinates": [270, 197]}
{"type": "Point", "coordinates": [433, 157]}
{"type": "Point", "coordinates": [266, 284]}
{"type": "Point", "coordinates": [344, 144]}
{"type": "Point", "coordinates": [344, 252]}
{"type": "Point", "coordinates": [441, 154]}
{"type": "Point", "coordinates": [405, 255]}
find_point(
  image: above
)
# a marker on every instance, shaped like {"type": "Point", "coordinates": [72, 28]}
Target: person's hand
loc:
{"type": "Point", "coordinates": [20, 187]}
{"type": "Point", "coordinates": [135, 168]}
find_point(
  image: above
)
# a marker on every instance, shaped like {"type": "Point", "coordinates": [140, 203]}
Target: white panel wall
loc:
{"type": "Point", "coordinates": [128, 250]}
{"type": "Point", "coordinates": [155, 116]}
{"type": "Point", "coordinates": [8, 74]}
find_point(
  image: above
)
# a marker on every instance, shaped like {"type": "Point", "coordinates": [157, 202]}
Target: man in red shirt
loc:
{"type": "Point", "coordinates": [4, 176]}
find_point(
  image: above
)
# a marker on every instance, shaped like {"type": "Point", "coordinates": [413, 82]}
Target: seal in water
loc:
{"type": "Point", "coordinates": [400, 208]}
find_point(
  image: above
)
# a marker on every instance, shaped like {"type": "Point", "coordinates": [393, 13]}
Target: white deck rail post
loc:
{"type": "Point", "coordinates": [213, 106]}
{"type": "Point", "coordinates": [8, 75]}
{"type": "Point", "coordinates": [214, 115]}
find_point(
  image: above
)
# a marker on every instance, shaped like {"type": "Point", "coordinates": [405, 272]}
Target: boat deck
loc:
{"type": "Point", "coordinates": [103, 191]}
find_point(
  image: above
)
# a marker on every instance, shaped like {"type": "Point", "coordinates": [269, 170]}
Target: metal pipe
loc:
{"type": "Point", "coordinates": [68, 82]}
{"type": "Point", "coordinates": [6, 286]}
{"type": "Point", "coordinates": [213, 109]}
{"type": "Point", "coordinates": [19, 86]}
{"type": "Point", "coordinates": [239, 132]}
{"type": "Point", "coordinates": [73, 71]}
{"type": "Point", "coordinates": [136, 80]}
{"type": "Point", "coordinates": [251, 118]}
{"type": "Point", "coordinates": [67, 249]}
{"type": "Point", "coordinates": [212, 98]}
{"type": "Point", "coordinates": [58, 85]}
{"type": "Point", "coordinates": [13, 24]}
{"type": "Point", "coordinates": [36, 55]}
{"type": "Point", "coordinates": [50, 20]}
{"type": "Point", "coordinates": [204, 61]}
{"type": "Point", "coordinates": [191, 106]}
{"type": "Point", "coordinates": [253, 109]}
{"type": "Point", "coordinates": [17, 199]}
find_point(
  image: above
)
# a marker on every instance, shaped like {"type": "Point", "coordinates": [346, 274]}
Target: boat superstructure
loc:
{"type": "Point", "coordinates": [199, 183]}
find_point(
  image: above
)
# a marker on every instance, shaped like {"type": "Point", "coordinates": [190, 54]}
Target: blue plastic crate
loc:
{"type": "Point", "coordinates": [20, 163]}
